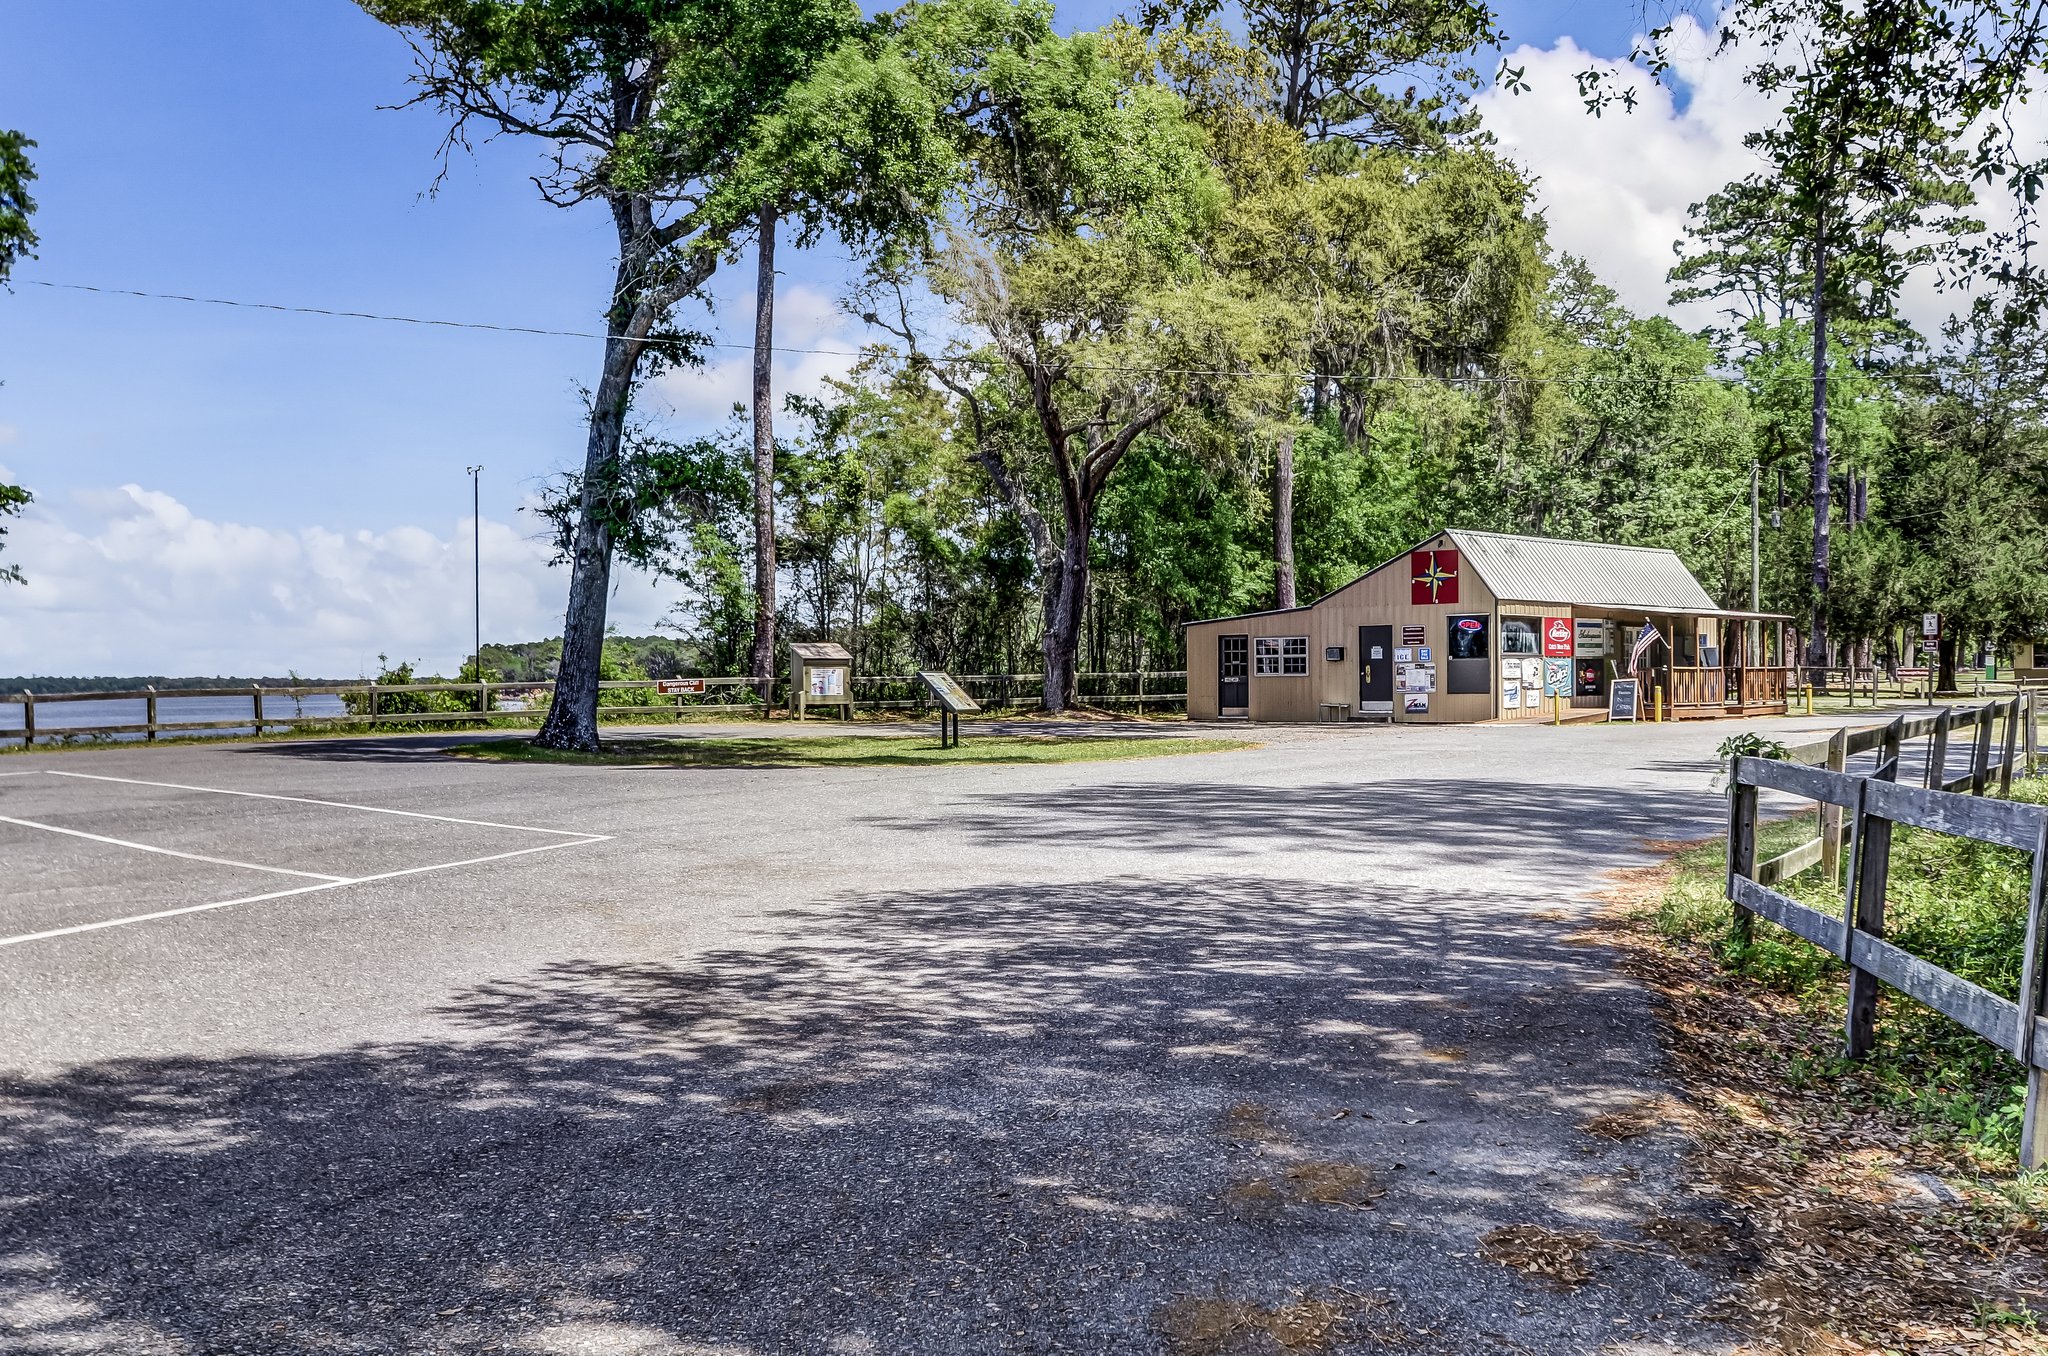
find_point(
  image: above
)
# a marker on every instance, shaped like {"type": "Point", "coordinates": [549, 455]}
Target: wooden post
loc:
{"type": "Point", "coordinates": [373, 701]}
{"type": "Point", "coordinates": [2013, 711]}
{"type": "Point", "coordinates": [1980, 752]}
{"type": "Point", "coordinates": [28, 719]}
{"type": "Point", "coordinates": [1831, 815]}
{"type": "Point", "coordinates": [1864, 912]}
{"type": "Point", "coordinates": [149, 715]}
{"type": "Point", "coordinates": [2034, 1126]}
{"type": "Point", "coordinates": [2032, 731]}
{"type": "Point", "coordinates": [1741, 844]}
{"type": "Point", "coordinates": [256, 695]}
{"type": "Point", "coordinates": [483, 697]}
{"type": "Point", "coordinates": [1937, 750]}
{"type": "Point", "coordinates": [1889, 753]}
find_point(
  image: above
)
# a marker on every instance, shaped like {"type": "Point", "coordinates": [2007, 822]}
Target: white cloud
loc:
{"type": "Point", "coordinates": [805, 318]}
{"type": "Point", "coordinates": [1615, 188]}
{"type": "Point", "coordinates": [130, 580]}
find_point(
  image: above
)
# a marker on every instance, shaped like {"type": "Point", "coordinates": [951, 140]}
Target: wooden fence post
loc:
{"type": "Point", "coordinates": [2034, 1125]}
{"type": "Point", "coordinates": [2009, 747]}
{"type": "Point", "coordinates": [256, 694]}
{"type": "Point", "coordinates": [1890, 751]}
{"type": "Point", "coordinates": [2030, 731]}
{"type": "Point", "coordinates": [373, 702]}
{"type": "Point", "coordinates": [149, 715]}
{"type": "Point", "coordinates": [1831, 815]}
{"type": "Point", "coordinates": [1741, 844]}
{"type": "Point", "coordinates": [1937, 750]}
{"type": "Point", "coordinates": [28, 719]}
{"type": "Point", "coordinates": [1864, 912]}
{"type": "Point", "coordinates": [1980, 752]}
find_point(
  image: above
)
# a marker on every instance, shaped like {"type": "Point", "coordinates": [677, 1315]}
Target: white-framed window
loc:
{"type": "Point", "coordinates": [1280, 656]}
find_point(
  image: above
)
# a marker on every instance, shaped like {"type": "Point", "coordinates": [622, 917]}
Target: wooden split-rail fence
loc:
{"type": "Point", "coordinates": [278, 708]}
{"type": "Point", "coordinates": [1863, 806]}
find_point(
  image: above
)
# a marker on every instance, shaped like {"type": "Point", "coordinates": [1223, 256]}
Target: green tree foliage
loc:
{"type": "Point", "coordinates": [17, 237]}
{"type": "Point", "coordinates": [17, 242]}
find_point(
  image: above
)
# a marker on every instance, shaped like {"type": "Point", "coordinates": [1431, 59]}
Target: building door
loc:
{"type": "Point", "coordinates": [1233, 674]}
{"type": "Point", "coordinates": [1376, 668]}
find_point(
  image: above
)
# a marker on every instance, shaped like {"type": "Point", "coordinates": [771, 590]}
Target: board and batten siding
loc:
{"type": "Point", "coordinates": [1381, 597]}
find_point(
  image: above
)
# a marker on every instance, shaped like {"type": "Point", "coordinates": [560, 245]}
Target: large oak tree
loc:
{"type": "Point", "coordinates": [645, 108]}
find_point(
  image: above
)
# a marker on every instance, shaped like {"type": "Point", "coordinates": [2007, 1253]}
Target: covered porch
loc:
{"type": "Point", "coordinates": [1709, 664]}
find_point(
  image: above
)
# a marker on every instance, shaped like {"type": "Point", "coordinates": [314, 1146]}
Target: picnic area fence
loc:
{"type": "Point", "coordinates": [1865, 806]}
{"type": "Point", "coordinates": [275, 708]}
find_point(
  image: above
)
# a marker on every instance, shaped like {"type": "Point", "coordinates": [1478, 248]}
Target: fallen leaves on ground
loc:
{"type": "Point", "coordinates": [1845, 1255]}
{"type": "Point", "coordinates": [1555, 1255]}
{"type": "Point", "coordinates": [1316, 1320]}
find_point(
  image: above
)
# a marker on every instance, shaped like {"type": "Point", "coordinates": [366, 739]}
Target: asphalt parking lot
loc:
{"type": "Point", "coordinates": [353, 1046]}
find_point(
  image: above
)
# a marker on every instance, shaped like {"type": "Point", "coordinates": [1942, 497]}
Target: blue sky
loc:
{"type": "Point", "coordinates": [300, 480]}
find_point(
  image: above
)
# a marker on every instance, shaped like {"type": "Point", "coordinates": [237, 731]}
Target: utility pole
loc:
{"type": "Point", "coordinates": [476, 532]}
{"type": "Point", "coordinates": [1756, 567]}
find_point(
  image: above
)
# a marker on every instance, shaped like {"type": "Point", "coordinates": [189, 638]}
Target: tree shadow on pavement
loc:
{"type": "Point", "coordinates": [1424, 823]}
{"type": "Point", "coordinates": [1015, 1119]}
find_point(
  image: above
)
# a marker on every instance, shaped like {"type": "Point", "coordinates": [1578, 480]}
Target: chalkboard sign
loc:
{"type": "Point", "coordinates": [1621, 699]}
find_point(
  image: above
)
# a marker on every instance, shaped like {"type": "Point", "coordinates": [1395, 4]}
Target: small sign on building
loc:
{"type": "Point", "coordinates": [1557, 638]}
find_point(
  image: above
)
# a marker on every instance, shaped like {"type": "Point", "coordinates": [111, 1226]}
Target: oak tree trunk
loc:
{"type": "Point", "coordinates": [764, 461]}
{"type": "Point", "coordinates": [1066, 595]}
{"type": "Point", "coordinates": [572, 713]}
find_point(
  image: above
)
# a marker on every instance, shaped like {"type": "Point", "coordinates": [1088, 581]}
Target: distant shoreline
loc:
{"type": "Point", "coordinates": [46, 685]}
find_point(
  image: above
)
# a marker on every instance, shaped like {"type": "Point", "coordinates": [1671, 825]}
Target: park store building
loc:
{"type": "Point", "coordinates": [1477, 626]}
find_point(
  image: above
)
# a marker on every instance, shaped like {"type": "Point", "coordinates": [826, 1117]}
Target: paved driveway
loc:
{"type": "Point", "coordinates": [350, 1046]}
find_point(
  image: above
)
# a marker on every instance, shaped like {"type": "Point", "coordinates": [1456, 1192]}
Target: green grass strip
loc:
{"type": "Point", "coordinates": [855, 750]}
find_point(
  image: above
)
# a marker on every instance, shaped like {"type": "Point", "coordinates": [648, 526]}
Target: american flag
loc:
{"type": "Point", "coordinates": [1645, 638]}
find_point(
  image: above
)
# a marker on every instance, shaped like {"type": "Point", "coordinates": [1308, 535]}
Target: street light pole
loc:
{"type": "Point", "coordinates": [476, 532]}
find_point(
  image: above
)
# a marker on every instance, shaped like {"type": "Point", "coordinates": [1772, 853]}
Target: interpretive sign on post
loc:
{"type": "Point", "coordinates": [952, 699]}
{"type": "Point", "coordinates": [679, 687]}
{"type": "Point", "coordinates": [1621, 699]}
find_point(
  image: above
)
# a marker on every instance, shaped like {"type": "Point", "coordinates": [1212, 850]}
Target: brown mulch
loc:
{"type": "Point", "coordinates": [1847, 1253]}
{"type": "Point", "coordinates": [1555, 1255]}
{"type": "Point", "coordinates": [1313, 1320]}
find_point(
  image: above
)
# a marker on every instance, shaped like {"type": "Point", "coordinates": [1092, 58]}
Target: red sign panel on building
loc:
{"type": "Point", "coordinates": [1557, 638]}
{"type": "Point", "coordinates": [1433, 578]}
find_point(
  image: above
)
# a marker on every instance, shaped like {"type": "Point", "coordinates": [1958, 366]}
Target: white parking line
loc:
{"type": "Point", "coordinates": [569, 837]}
{"type": "Point", "coordinates": [173, 852]}
{"type": "Point", "coordinates": [283, 894]}
{"type": "Point", "coordinates": [331, 804]}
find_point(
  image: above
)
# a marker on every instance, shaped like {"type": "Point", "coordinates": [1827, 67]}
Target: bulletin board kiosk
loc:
{"type": "Point", "coordinates": [820, 674]}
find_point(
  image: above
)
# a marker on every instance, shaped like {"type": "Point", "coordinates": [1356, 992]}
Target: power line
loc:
{"type": "Point", "coordinates": [969, 360]}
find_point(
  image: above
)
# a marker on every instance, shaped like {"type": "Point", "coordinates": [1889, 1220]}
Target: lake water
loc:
{"type": "Point", "coordinates": [80, 717]}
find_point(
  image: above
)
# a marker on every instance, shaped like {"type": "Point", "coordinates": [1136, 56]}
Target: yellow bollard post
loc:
{"type": "Point", "coordinates": [1657, 695]}
{"type": "Point", "coordinates": [1809, 699]}
{"type": "Point", "coordinates": [1557, 708]}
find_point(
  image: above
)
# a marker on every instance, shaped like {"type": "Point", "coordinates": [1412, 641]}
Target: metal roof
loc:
{"type": "Point", "coordinates": [1582, 573]}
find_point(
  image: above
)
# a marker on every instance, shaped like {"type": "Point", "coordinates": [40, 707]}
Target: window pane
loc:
{"type": "Point", "coordinates": [1519, 635]}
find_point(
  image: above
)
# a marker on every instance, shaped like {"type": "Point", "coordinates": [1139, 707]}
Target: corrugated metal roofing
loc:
{"type": "Point", "coordinates": [1583, 573]}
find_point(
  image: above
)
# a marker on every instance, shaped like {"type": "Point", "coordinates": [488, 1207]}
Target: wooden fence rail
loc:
{"type": "Point", "coordinates": [2017, 744]}
{"type": "Point", "coordinates": [376, 700]}
{"type": "Point", "coordinates": [1871, 805]}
